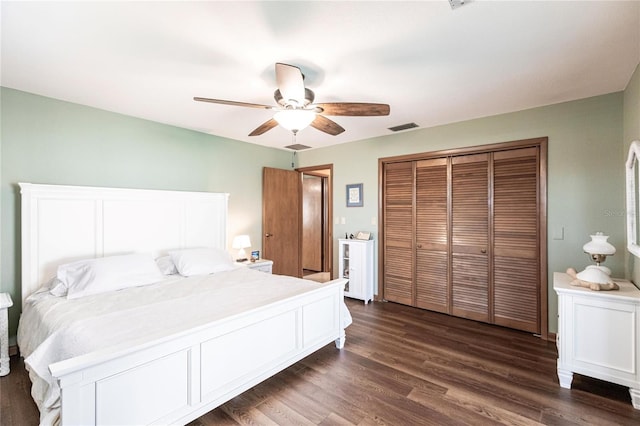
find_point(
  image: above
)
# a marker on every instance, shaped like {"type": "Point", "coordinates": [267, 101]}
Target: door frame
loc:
{"type": "Point", "coordinates": [327, 231]}
{"type": "Point", "coordinates": [540, 142]}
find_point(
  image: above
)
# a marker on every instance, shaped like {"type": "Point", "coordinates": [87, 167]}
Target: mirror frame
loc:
{"type": "Point", "coordinates": [632, 196]}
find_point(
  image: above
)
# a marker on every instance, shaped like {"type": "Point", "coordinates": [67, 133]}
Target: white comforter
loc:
{"type": "Point", "coordinates": [53, 329]}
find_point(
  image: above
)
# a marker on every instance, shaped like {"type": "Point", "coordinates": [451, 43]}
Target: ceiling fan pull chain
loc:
{"type": "Point", "coordinates": [293, 143]}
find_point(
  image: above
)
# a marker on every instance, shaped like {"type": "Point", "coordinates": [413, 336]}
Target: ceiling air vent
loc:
{"type": "Point", "coordinates": [403, 127]}
{"type": "Point", "coordinates": [298, 147]}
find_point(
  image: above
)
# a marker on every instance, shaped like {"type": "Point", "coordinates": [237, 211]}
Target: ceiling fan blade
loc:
{"type": "Point", "coordinates": [353, 109]}
{"type": "Point", "coordinates": [290, 83]}
{"type": "Point", "coordinates": [264, 127]}
{"type": "Point", "coordinates": [242, 104]}
{"type": "Point", "coordinates": [325, 125]}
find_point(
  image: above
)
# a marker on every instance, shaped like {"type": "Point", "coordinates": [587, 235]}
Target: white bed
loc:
{"type": "Point", "coordinates": [191, 345]}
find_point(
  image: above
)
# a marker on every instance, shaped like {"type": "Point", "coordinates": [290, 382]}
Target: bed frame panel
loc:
{"type": "Point", "coordinates": [177, 378]}
{"type": "Point", "coordinates": [61, 224]}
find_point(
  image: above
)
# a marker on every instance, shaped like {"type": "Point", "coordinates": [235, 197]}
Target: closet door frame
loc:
{"type": "Point", "coordinates": [541, 144]}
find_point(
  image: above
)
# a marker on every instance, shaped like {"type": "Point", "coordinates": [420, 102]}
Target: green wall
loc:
{"type": "Point", "coordinates": [631, 125]}
{"type": "Point", "coordinates": [585, 173]}
{"type": "Point", "coordinates": [50, 141]}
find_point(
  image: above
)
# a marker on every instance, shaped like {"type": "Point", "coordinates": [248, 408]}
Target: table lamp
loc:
{"type": "Point", "coordinates": [241, 242]}
{"type": "Point", "coordinates": [598, 249]}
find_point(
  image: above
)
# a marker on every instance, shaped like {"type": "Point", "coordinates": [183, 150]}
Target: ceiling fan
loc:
{"type": "Point", "coordinates": [295, 109]}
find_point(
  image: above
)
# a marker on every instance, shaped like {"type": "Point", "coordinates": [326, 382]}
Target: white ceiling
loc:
{"type": "Point", "coordinates": [432, 64]}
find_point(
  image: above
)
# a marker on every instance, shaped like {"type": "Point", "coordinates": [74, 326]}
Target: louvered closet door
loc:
{"type": "Point", "coordinates": [469, 236]}
{"type": "Point", "coordinates": [432, 254]}
{"type": "Point", "coordinates": [516, 250]}
{"type": "Point", "coordinates": [398, 232]}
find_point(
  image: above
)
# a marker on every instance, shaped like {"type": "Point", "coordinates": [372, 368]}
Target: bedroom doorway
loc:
{"type": "Point", "coordinates": [317, 253]}
{"type": "Point", "coordinates": [298, 247]}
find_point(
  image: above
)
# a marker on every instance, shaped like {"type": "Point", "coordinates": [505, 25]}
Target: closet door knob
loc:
{"type": "Point", "coordinates": [483, 251]}
{"type": "Point", "coordinates": [419, 245]}
{"type": "Point", "coordinates": [268, 235]}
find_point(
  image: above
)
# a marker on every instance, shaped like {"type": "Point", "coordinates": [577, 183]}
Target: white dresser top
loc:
{"type": "Point", "coordinates": [561, 284]}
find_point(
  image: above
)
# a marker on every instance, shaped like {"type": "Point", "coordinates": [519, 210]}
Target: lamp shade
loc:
{"type": "Point", "coordinates": [599, 245]}
{"type": "Point", "coordinates": [241, 242]}
{"type": "Point", "coordinates": [294, 119]}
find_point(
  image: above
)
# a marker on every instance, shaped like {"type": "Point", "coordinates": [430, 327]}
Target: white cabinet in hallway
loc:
{"type": "Point", "coordinates": [356, 264]}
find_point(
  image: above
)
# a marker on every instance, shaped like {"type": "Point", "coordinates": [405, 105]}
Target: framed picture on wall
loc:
{"type": "Point", "coordinates": [354, 195]}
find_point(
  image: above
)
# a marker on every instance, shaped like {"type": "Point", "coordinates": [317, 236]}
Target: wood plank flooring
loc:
{"type": "Point", "coordinates": [405, 366]}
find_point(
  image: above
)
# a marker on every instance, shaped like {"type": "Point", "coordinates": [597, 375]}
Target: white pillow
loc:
{"type": "Point", "coordinates": [103, 274]}
{"type": "Point", "coordinates": [201, 261]}
{"type": "Point", "coordinates": [166, 265]}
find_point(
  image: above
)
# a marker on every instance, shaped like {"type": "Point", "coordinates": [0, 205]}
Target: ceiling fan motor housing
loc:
{"type": "Point", "coordinates": [309, 96]}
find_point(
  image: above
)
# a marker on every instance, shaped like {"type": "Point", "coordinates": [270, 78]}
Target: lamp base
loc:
{"type": "Point", "coordinates": [600, 267]}
{"type": "Point", "coordinates": [592, 278]}
{"type": "Point", "coordinates": [595, 274]}
{"type": "Point", "coordinates": [242, 255]}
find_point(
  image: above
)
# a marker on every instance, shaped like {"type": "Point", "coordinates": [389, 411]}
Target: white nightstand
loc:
{"type": "Point", "coordinates": [5, 303]}
{"type": "Point", "coordinates": [599, 334]}
{"type": "Point", "coordinates": [262, 265]}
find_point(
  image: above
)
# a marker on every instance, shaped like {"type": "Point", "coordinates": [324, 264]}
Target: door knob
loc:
{"type": "Point", "coordinates": [268, 235]}
{"type": "Point", "coordinates": [483, 251]}
{"type": "Point", "coordinates": [419, 245]}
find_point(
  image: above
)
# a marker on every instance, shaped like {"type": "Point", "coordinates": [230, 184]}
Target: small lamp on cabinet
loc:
{"type": "Point", "coordinates": [598, 249]}
{"type": "Point", "coordinates": [241, 242]}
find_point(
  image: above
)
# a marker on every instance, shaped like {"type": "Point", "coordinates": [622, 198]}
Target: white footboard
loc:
{"type": "Point", "coordinates": [179, 378]}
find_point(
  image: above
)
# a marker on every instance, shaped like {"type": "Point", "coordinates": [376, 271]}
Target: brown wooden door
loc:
{"type": "Point", "coordinates": [312, 218]}
{"type": "Point", "coordinates": [281, 220]}
{"type": "Point", "coordinates": [470, 236]}
{"type": "Point", "coordinates": [398, 233]}
{"type": "Point", "coordinates": [516, 277]}
{"type": "Point", "coordinates": [432, 229]}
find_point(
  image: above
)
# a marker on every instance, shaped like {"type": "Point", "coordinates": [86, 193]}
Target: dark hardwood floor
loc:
{"type": "Point", "coordinates": [405, 366]}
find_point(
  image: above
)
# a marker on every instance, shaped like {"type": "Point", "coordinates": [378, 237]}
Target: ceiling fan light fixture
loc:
{"type": "Point", "coordinates": [294, 119]}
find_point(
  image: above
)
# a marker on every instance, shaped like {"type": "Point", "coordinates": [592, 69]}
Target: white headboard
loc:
{"type": "Point", "coordinates": [66, 223]}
